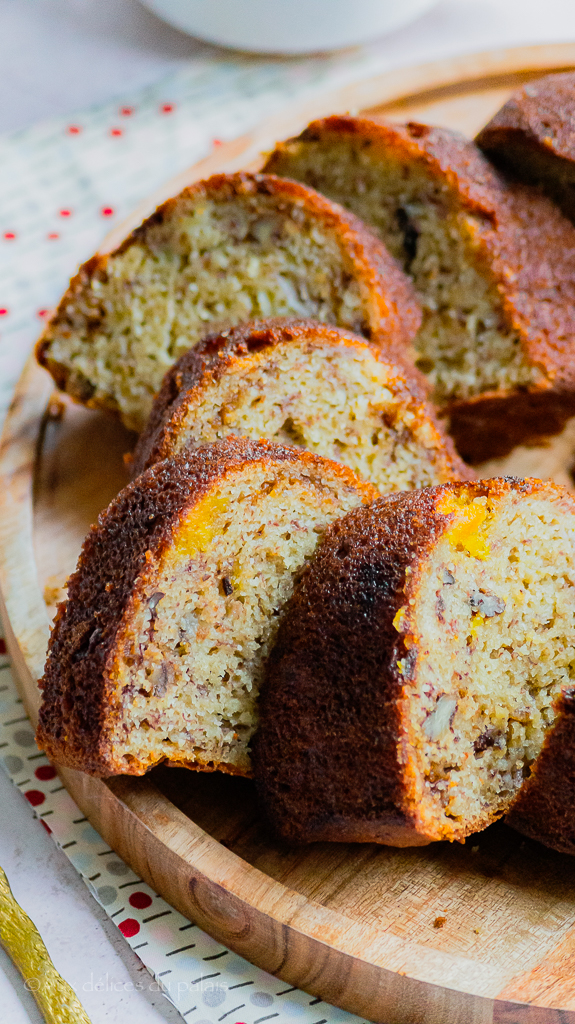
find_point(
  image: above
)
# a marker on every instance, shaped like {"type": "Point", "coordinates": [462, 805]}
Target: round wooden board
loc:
{"type": "Point", "coordinates": [475, 933]}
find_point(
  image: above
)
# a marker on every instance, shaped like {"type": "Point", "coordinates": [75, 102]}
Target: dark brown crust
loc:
{"type": "Point", "coordinates": [492, 426]}
{"type": "Point", "coordinates": [331, 752]}
{"type": "Point", "coordinates": [391, 310]}
{"type": "Point", "coordinates": [526, 247]}
{"type": "Point", "coordinates": [217, 354]}
{"type": "Point", "coordinates": [325, 761]}
{"type": "Point", "coordinates": [532, 137]}
{"type": "Point", "coordinates": [545, 806]}
{"type": "Point", "coordinates": [130, 536]}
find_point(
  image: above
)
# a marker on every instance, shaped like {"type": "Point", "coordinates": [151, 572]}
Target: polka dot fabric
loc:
{"type": "Point", "coordinates": [62, 186]}
{"type": "Point", "coordinates": [205, 981]}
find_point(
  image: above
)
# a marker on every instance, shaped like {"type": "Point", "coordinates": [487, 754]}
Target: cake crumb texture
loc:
{"type": "Point", "coordinates": [493, 264]}
{"type": "Point", "coordinates": [430, 642]}
{"type": "Point", "coordinates": [158, 652]}
{"type": "Point", "coordinates": [226, 250]}
{"type": "Point", "coordinates": [309, 385]}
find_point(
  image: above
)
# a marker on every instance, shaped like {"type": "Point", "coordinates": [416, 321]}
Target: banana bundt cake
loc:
{"type": "Point", "coordinates": [532, 137]}
{"type": "Point", "coordinates": [226, 250]}
{"type": "Point", "coordinates": [493, 265]}
{"type": "Point", "coordinates": [157, 653]}
{"type": "Point", "coordinates": [422, 660]}
{"type": "Point", "coordinates": [545, 806]}
{"type": "Point", "coordinates": [306, 384]}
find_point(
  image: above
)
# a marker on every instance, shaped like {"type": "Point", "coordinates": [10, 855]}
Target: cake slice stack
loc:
{"type": "Point", "coordinates": [492, 261]}
{"type": "Point", "coordinates": [303, 383]}
{"type": "Point", "coordinates": [158, 652]}
{"type": "Point", "coordinates": [226, 250]}
{"type": "Point", "coordinates": [421, 686]}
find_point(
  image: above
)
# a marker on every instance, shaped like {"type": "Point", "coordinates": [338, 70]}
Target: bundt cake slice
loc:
{"type": "Point", "coordinates": [157, 653]}
{"type": "Point", "coordinates": [532, 137]}
{"type": "Point", "coordinates": [232, 248]}
{"type": "Point", "coordinates": [420, 665]}
{"type": "Point", "coordinates": [493, 264]}
{"type": "Point", "coordinates": [544, 808]}
{"type": "Point", "coordinates": [307, 384]}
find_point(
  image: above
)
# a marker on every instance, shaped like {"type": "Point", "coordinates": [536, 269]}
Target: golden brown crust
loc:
{"type": "Point", "coordinates": [392, 314]}
{"type": "Point", "coordinates": [532, 137]}
{"type": "Point", "coordinates": [219, 354]}
{"type": "Point", "coordinates": [524, 245]}
{"type": "Point", "coordinates": [331, 757]}
{"type": "Point", "coordinates": [126, 543]}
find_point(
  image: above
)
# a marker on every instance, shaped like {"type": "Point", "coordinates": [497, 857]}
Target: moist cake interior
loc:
{"type": "Point", "coordinates": [497, 612]}
{"type": "Point", "coordinates": [463, 345]}
{"type": "Point", "coordinates": [340, 402]}
{"type": "Point", "coordinates": [191, 649]}
{"type": "Point", "coordinates": [208, 266]}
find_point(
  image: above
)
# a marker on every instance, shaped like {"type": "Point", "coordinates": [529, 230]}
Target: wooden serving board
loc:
{"type": "Point", "coordinates": [449, 934]}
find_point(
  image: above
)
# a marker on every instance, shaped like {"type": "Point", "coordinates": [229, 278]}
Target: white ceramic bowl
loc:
{"type": "Point", "coordinates": [288, 26]}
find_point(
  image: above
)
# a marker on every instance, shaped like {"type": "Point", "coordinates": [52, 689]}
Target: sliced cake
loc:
{"type": "Point", "coordinates": [232, 248]}
{"type": "Point", "coordinates": [493, 265]}
{"type": "Point", "coordinates": [421, 663]}
{"type": "Point", "coordinates": [544, 809]}
{"type": "Point", "coordinates": [306, 384]}
{"type": "Point", "coordinates": [158, 652]}
{"type": "Point", "coordinates": [532, 137]}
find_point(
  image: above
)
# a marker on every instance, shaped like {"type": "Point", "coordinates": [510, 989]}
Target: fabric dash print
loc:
{"type": "Point", "coordinates": [63, 185]}
{"type": "Point", "coordinates": [193, 970]}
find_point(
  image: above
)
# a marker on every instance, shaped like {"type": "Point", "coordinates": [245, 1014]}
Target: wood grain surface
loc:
{"type": "Point", "coordinates": [450, 934]}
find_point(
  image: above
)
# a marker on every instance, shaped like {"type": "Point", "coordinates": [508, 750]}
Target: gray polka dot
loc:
{"type": "Point", "coordinates": [24, 738]}
{"type": "Point", "coordinates": [13, 764]}
{"type": "Point", "coordinates": [215, 996]}
{"type": "Point", "coordinates": [261, 999]}
{"type": "Point", "coordinates": [106, 895]}
{"type": "Point", "coordinates": [117, 867]}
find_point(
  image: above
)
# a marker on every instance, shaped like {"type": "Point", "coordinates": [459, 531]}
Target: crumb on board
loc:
{"type": "Point", "coordinates": [439, 922]}
{"type": "Point", "coordinates": [54, 590]}
{"type": "Point", "coordinates": [56, 409]}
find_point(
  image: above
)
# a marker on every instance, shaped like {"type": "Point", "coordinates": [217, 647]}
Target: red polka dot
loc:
{"type": "Point", "coordinates": [43, 312]}
{"type": "Point", "coordinates": [2, 646]}
{"type": "Point", "coordinates": [65, 213]}
{"type": "Point", "coordinates": [167, 108]}
{"type": "Point", "coordinates": [47, 827]}
{"type": "Point", "coordinates": [9, 236]}
{"type": "Point", "coordinates": [74, 129]}
{"type": "Point", "coordinates": [45, 772]}
{"type": "Point", "coordinates": [35, 797]}
{"type": "Point", "coordinates": [52, 235]}
{"type": "Point", "coordinates": [129, 927]}
{"type": "Point", "coordinates": [3, 311]}
{"type": "Point", "coordinates": [217, 142]}
{"type": "Point", "coordinates": [116, 132]}
{"type": "Point", "coordinates": [107, 211]}
{"type": "Point", "coordinates": [140, 900]}
{"type": "Point", "coordinates": [126, 111]}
